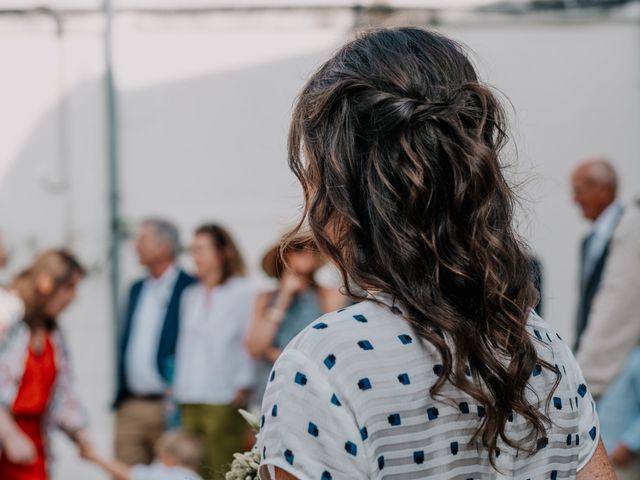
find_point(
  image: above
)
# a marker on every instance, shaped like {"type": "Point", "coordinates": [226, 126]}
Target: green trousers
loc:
{"type": "Point", "coordinates": [222, 431]}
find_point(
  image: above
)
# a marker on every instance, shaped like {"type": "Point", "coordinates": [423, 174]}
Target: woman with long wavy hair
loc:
{"type": "Point", "coordinates": [443, 370]}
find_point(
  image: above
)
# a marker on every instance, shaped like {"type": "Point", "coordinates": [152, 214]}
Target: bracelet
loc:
{"type": "Point", "coordinates": [275, 315]}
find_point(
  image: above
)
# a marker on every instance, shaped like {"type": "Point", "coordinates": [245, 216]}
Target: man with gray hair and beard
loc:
{"type": "Point", "coordinates": [147, 346]}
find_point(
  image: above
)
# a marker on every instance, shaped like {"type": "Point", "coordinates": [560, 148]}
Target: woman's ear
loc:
{"type": "Point", "coordinates": [44, 284]}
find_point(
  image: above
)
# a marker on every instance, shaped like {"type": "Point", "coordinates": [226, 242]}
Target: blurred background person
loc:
{"type": "Point", "coordinates": [146, 354]}
{"type": "Point", "coordinates": [619, 410]}
{"type": "Point", "coordinates": [594, 183]}
{"type": "Point", "coordinates": [296, 302]}
{"type": "Point", "coordinates": [614, 326]}
{"type": "Point", "coordinates": [178, 456]}
{"type": "Point", "coordinates": [36, 391]}
{"type": "Point", "coordinates": [609, 354]}
{"type": "Point", "coordinates": [214, 373]}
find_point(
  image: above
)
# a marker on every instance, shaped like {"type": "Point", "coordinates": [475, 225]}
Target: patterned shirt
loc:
{"type": "Point", "coordinates": [349, 399]}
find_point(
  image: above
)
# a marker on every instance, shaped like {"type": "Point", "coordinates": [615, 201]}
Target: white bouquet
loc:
{"type": "Point", "coordinates": [245, 465]}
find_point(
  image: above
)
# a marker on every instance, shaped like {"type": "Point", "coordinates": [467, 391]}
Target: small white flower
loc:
{"type": "Point", "coordinates": [245, 465]}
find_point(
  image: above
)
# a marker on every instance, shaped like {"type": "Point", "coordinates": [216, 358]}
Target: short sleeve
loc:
{"type": "Point", "coordinates": [307, 429]}
{"type": "Point", "coordinates": [589, 426]}
{"type": "Point", "coordinates": [588, 421]}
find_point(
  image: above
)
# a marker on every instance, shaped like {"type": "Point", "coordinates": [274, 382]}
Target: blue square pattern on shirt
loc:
{"type": "Point", "coordinates": [454, 448]}
{"type": "Point", "coordinates": [394, 419]}
{"type": "Point", "coordinates": [542, 443]}
{"type": "Point", "coordinates": [364, 384]}
{"type": "Point", "coordinates": [288, 456]}
{"type": "Point", "coordinates": [582, 390]}
{"type": "Point", "coordinates": [351, 448]}
{"type": "Point", "coordinates": [313, 429]}
{"type": "Point", "coordinates": [330, 361]}
{"type": "Point", "coordinates": [557, 402]}
{"type": "Point", "coordinates": [301, 379]}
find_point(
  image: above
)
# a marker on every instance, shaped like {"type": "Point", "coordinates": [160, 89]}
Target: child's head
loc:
{"type": "Point", "coordinates": [179, 449]}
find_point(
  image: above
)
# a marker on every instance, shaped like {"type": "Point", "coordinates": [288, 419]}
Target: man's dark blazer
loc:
{"type": "Point", "coordinates": [165, 357]}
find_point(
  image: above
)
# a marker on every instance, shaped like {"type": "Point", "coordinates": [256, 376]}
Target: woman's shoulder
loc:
{"type": "Point", "coordinates": [546, 338]}
{"type": "Point", "coordinates": [552, 349]}
{"type": "Point", "coordinates": [362, 326]}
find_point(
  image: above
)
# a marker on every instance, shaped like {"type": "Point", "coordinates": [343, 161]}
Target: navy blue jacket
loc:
{"type": "Point", "coordinates": [168, 337]}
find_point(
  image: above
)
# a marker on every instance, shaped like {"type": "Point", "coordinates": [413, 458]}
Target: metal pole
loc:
{"type": "Point", "coordinates": [112, 148]}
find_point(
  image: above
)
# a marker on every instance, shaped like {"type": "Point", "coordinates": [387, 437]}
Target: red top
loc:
{"type": "Point", "coordinates": [28, 410]}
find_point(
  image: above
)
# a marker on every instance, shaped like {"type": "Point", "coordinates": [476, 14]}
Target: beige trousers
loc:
{"type": "Point", "coordinates": [139, 425]}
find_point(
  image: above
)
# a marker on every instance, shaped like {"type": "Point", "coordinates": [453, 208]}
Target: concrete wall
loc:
{"type": "Point", "coordinates": [204, 105]}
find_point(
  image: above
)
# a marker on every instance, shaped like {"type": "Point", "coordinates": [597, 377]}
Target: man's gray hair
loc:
{"type": "Point", "coordinates": [166, 232]}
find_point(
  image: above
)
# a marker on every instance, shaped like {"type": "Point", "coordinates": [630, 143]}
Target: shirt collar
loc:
{"type": "Point", "coordinates": [605, 222]}
{"type": "Point", "coordinates": [166, 280]}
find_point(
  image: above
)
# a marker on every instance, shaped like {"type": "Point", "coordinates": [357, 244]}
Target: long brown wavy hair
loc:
{"type": "Point", "coordinates": [397, 146]}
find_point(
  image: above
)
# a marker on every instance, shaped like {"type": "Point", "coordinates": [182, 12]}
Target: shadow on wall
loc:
{"type": "Point", "coordinates": [212, 147]}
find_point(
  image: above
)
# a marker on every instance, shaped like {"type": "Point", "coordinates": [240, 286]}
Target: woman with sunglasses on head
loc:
{"type": "Point", "coordinates": [443, 370]}
{"type": "Point", "coordinates": [296, 302]}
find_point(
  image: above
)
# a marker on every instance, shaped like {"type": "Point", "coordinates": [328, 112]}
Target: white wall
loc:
{"type": "Point", "coordinates": [204, 105]}
{"type": "Point", "coordinates": [576, 92]}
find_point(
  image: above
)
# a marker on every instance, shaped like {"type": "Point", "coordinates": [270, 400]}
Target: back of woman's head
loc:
{"type": "Point", "coordinates": [396, 144]}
